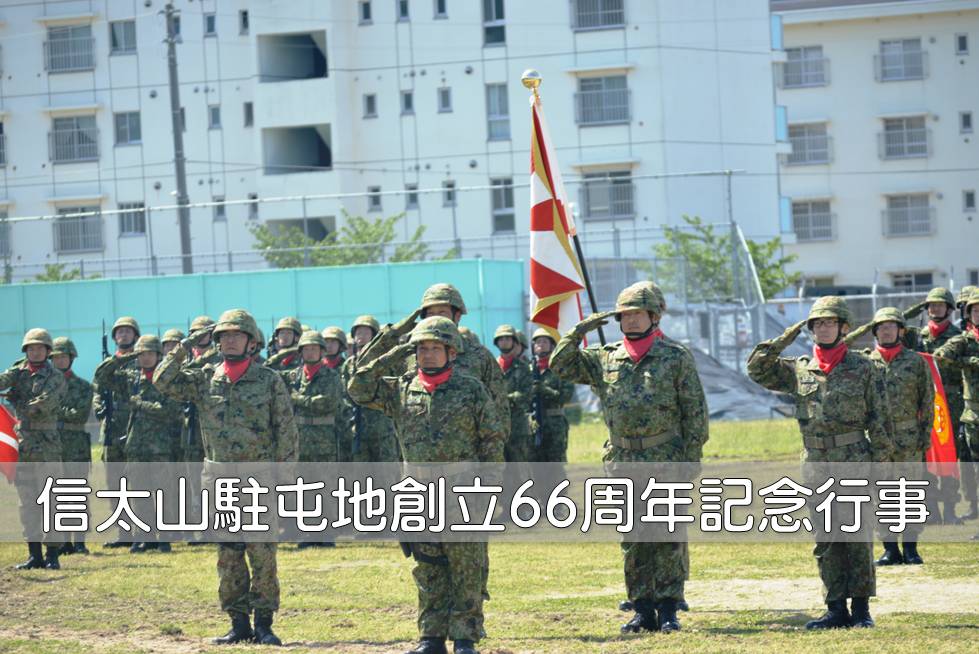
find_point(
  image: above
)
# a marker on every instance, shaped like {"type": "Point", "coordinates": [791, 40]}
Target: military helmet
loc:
{"type": "Point", "coordinates": [540, 332]}
{"type": "Point", "coordinates": [505, 330]}
{"type": "Point", "coordinates": [829, 306]}
{"type": "Point", "coordinates": [438, 329]}
{"type": "Point", "coordinates": [337, 334]}
{"type": "Point", "coordinates": [236, 320]}
{"type": "Point", "coordinates": [971, 300]}
{"type": "Point", "coordinates": [125, 321]}
{"type": "Point", "coordinates": [443, 294]}
{"type": "Point", "coordinates": [939, 294]}
{"type": "Point", "coordinates": [365, 321]}
{"type": "Point", "coordinates": [148, 343]}
{"type": "Point", "coordinates": [260, 339]}
{"type": "Point", "coordinates": [288, 323]}
{"type": "Point", "coordinates": [306, 328]}
{"type": "Point", "coordinates": [887, 314]}
{"type": "Point", "coordinates": [644, 296]}
{"type": "Point", "coordinates": [465, 332]}
{"type": "Point", "coordinates": [522, 339]}
{"type": "Point", "coordinates": [201, 322]}
{"type": "Point", "coordinates": [36, 336]}
{"type": "Point", "coordinates": [312, 337]}
{"type": "Point", "coordinates": [64, 345]}
{"type": "Point", "coordinates": [173, 335]}
{"type": "Point", "coordinates": [964, 295]}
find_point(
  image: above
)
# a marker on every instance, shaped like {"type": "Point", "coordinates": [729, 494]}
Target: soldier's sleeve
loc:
{"type": "Point", "coordinates": [177, 382]}
{"type": "Point", "coordinates": [550, 387]}
{"type": "Point", "coordinates": [573, 364]}
{"type": "Point", "coordinates": [109, 377]}
{"type": "Point", "coordinates": [567, 392]}
{"type": "Point", "coordinates": [48, 401]}
{"type": "Point", "coordinates": [325, 404]}
{"type": "Point", "coordinates": [693, 408]}
{"type": "Point", "coordinates": [492, 434]}
{"type": "Point", "coordinates": [371, 387]}
{"type": "Point", "coordinates": [926, 404]}
{"type": "Point", "coordinates": [877, 425]}
{"type": "Point", "coordinates": [156, 409]}
{"type": "Point", "coordinates": [8, 377]}
{"type": "Point", "coordinates": [768, 369]}
{"type": "Point", "coordinates": [523, 387]}
{"type": "Point", "coordinates": [381, 344]}
{"type": "Point", "coordinates": [76, 406]}
{"type": "Point", "coordinates": [97, 404]}
{"type": "Point", "coordinates": [284, 423]}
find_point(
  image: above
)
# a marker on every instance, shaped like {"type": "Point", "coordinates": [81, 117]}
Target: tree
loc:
{"type": "Point", "coordinates": [359, 241]}
{"type": "Point", "coordinates": [698, 257]}
{"type": "Point", "coordinates": [55, 272]}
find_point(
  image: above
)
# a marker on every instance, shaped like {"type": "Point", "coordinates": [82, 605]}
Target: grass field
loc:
{"type": "Point", "coordinates": [546, 597]}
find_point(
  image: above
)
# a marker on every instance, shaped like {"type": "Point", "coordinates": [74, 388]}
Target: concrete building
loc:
{"type": "Point", "coordinates": [377, 101]}
{"type": "Point", "coordinates": [883, 175]}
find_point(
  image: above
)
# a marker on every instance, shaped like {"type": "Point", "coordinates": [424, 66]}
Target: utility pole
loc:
{"type": "Point", "coordinates": [179, 160]}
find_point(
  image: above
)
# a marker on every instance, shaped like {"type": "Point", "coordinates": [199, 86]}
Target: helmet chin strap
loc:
{"type": "Point", "coordinates": [506, 351]}
{"type": "Point", "coordinates": [638, 336]}
{"type": "Point", "coordinates": [436, 371]}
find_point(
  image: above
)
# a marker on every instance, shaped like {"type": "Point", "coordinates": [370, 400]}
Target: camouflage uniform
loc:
{"type": "Point", "coordinates": [842, 417]}
{"type": "Point", "coordinates": [287, 362]}
{"type": "Point", "coordinates": [554, 393]}
{"type": "Point", "coordinates": [372, 432]}
{"type": "Point", "coordinates": [316, 402]}
{"type": "Point", "coordinates": [76, 405]}
{"type": "Point", "coordinates": [113, 430]}
{"type": "Point", "coordinates": [655, 410]}
{"type": "Point", "coordinates": [519, 382]}
{"type": "Point", "coordinates": [191, 442]}
{"type": "Point", "coordinates": [36, 397]}
{"type": "Point", "coordinates": [249, 420]}
{"type": "Point", "coordinates": [457, 422]}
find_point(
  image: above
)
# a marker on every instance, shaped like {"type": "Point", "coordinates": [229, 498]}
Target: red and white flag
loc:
{"type": "Point", "coordinates": [556, 277]}
{"type": "Point", "coordinates": [9, 444]}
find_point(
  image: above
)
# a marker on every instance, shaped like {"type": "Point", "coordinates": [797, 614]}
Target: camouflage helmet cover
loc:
{"type": "Point", "coordinates": [64, 345]}
{"type": "Point", "coordinates": [335, 333]}
{"type": "Point", "coordinates": [887, 314]}
{"type": "Point", "coordinates": [443, 294]}
{"type": "Point", "coordinates": [829, 306]}
{"type": "Point", "coordinates": [438, 329]}
{"type": "Point", "coordinates": [642, 296]}
{"type": "Point", "coordinates": [940, 294]}
{"type": "Point", "coordinates": [148, 343]}
{"type": "Point", "coordinates": [125, 321]}
{"type": "Point", "coordinates": [236, 320]}
{"type": "Point", "coordinates": [36, 336]}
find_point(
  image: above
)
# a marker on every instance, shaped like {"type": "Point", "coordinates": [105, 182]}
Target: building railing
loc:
{"type": "Point", "coordinates": [803, 73]}
{"type": "Point", "coordinates": [904, 144]}
{"type": "Point", "coordinates": [73, 145]}
{"type": "Point", "coordinates": [901, 66]}
{"type": "Point", "coordinates": [810, 149]}
{"type": "Point", "coordinates": [69, 55]}
{"type": "Point", "coordinates": [814, 227]}
{"type": "Point", "coordinates": [607, 200]}
{"type": "Point", "coordinates": [908, 221]}
{"type": "Point", "coordinates": [604, 107]}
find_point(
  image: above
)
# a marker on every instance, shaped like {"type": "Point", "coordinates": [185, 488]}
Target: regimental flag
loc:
{"type": "Point", "coordinates": [9, 444]}
{"type": "Point", "coordinates": [941, 455]}
{"type": "Point", "coordinates": [556, 277]}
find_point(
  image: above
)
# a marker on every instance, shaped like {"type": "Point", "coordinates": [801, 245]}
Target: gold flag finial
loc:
{"type": "Point", "coordinates": [532, 79]}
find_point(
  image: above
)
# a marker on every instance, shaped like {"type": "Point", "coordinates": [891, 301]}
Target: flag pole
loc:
{"type": "Point", "coordinates": [532, 80]}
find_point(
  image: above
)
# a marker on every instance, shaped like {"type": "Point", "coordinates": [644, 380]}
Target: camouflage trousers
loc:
{"type": "Point", "coordinates": [76, 446]}
{"type": "Point", "coordinates": [846, 569]}
{"type": "Point", "coordinates": [450, 578]}
{"type": "Point", "coordinates": [554, 444]}
{"type": "Point", "coordinates": [30, 483]}
{"type": "Point", "coordinates": [374, 442]}
{"type": "Point", "coordinates": [241, 590]}
{"type": "Point", "coordinates": [911, 532]}
{"type": "Point", "coordinates": [655, 571]}
{"type": "Point", "coordinates": [967, 449]}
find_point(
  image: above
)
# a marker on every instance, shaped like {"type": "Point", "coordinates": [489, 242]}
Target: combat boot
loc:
{"type": "Point", "coordinates": [973, 511]}
{"type": "Point", "coordinates": [35, 560]}
{"type": "Point", "coordinates": [263, 629]}
{"type": "Point", "coordinates": [51, 557]}
{"type": "Point", "coordinates": [137, 548]}
{"type": "Point", "coordinates": [892, 555]}
{"type": "Point", "coordinates": [836, 616]}
{"type": "Point", "coordinates": [643, 620]}
{"type": "Point", "coordinates": [241, 631]}
{"type": "Point", "coordinates": [625, 606]}
{"type": "Point", "coordinates": [67, 549]}
{"type": "Point", "coordinates": [463, 646]}
{"type": "Point", "coordinates": [860, 614]}
{"type": "Point", "coordinates": [80, 548]}
{"type": "Point", "coordinates": [164, 548]}
{"type": "Point", "coordinates": [911, 556]}
{"type": "Point", "coordinates": [668, 621]}
{"type": "Point", "coordinates": [948, 514]}
{"type": "Point", "coordinates": [430, 645]}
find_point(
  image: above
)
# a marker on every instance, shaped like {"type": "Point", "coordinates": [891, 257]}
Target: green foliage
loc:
{"type": "Point", "coordinates": [57, 272]}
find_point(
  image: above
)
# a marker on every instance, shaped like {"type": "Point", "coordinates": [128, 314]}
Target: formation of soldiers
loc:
{"type": "Point", "coordinates": [425, 390]}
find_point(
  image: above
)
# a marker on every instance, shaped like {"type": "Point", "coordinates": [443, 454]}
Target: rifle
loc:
{"type": "Point", "coordinates": [358, 417]}
{"type": "Point", "coordinates": [272, 346]}
{"type": "Point", "coordinates": [105, 395]}
{"type": "Point", "coordinates": [538, 407]}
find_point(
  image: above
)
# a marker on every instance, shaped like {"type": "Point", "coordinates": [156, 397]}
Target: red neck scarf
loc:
{"type": "Point", "coordinates": [199, 351]}
{"type": "Point", "coordinates": [972, 329]}
{"type": "Point", "coordinates": [310, 369]}
{"type": "Point", "coordinates": [69, 374]}
{"type": "Point", "coordinates": [235, 369]}
{"type": "Point", "coordinates": [938, 328]}
{"type": "Point", "coordinates": [505, 362]}
{"type": "Point", "coordinates": [120, 353]}
{"type": "Point", "coordinates": [34, 367]}
{"type": "Point", "coordinates": [333, 361]}
{"type": "Point", "coordinates": [287, 361]}
{"type": "Point", "coordinates": [638, 349]}
{"type": "Point", "coordinates": [828, 358]}
{"type": "Point", "coordinates": [889, 352]}
{"type": "Point", "coordinates": [543, 363]}
{"type": "Point", "coordinates": [148, 373]}
{"type": "Point", "coordinates": [431, 382]}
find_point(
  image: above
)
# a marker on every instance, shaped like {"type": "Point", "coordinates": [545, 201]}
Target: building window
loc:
{"type": "Point", "coordinates": [908, 215]}
{"type": "Point", "coordinates": [502, 198]}
{"type": "Point", "coordinates": [904, 138]}
{"type": "Point", "coordinates": [607, 196]}
{"type": "Point", "coordinates": [441, 11]}
{"type": "Point", "coordinates": [128, 129]}
{"type": "Point", "coordinates": [78, 233]}
{"type": "Point", "coordinates": [411, 196]}
{"type": "Point", "coordinates": [69, 48]}
{"type": "Point", "coordinates": [132, 222]}
{"type": "Point", "coordinates": [210, 25]}
{"type": "Point", "coordinates": [822, 281]}
{"type": "Point", "coordinates": [253, 206]}
{"type": "Point", "coordinates": [402, 9]}
{"type": "Point", "coordinates": [602, 100]}
{"type": "Point", "coordinates": [901, 59]}
{"type": "Point", "coordinates": [249, 117]}
{"type": "Point", "coordinates": [373, 198]}
{"type": "Point", "coordinates": [445, 100]}
{"type": "Point", "coordinates": [810, 144]}
{"type": "Point", "coordinates": [448, 193]}
{"type": "Point", "coordinates": [4, 235]}
{"type": "Point", "coordinates": [243, 25]}
{"type": "Point", "coordinates": [812, 221]}
{"type": "Point", "coordinates": [497, 113]}
{"type": "Point", "coordinates": [122, 36]}
{"type": "Point", "coordinates": [965, 122]}
{"type": "Point", "coordinates": [912, 281]}
{"type": "Point", "coordinates": [961, 44]}
{"type": "Point", "coordinates": [974, 277]}
{"type": "Point", "coordinates": [407, 102]}
{"type": "Point", "coordinates": [494, 29]}
{"type": "Point", "coordinates": [214, 116]}
{"type": "Point", "coordinates": [804, 67]}
{"type": "Point", "coordinates": [73, 138]}
{"type": "Point", "coordinates": [220, 210]}
{"type": "Point", "coordinates": [364, 12]}
{"type": "Point", "coordinates": [370, 105]}
{"type": "Point", "coordinates": [597, 14]}
{"type": "Point", "coordinates": [969, 200]}
{"type": "Point", "coordinates": [3, 146]}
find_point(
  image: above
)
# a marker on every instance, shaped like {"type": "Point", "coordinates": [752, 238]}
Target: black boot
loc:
{"type": "Point", "coordinates": [241, 631]}
{"type": "Point", "coordinates": [305, 545]}
{"type": "Point", "coordinates": [836, 616]}
{"type": "Point", "coordinates": [643, 620]}
{"type": "Point", "coordinates": [263, 629]}
{"type": "Point", "coordinates": [137, 548]}
{"type": "Point", "coordinates": [948, 514]}
{"type": "Point", "coordinates": [67, 549]}
{"type": "Point", "coordinates": [51, 557]}
{"type": "Point", "coordinates": [860, 614]}
{"type": "Point", "coordinates": [464, 647]}
{"type": "Point", "coordinates": [80, 548]}
{"type": "Point", "coordinates": [973, 511]}
{"type": "Point", "coordinates": [667, 616]}
{"type": "Point", "coordinates": [911, 556]}
{"type": "Point", "coordinates": [35, 560]}
{"type": "Point", "coordinates": [892, 554]}
{"type": "Point", "coordinates": [163, 548]}
{"type": "Point", "coordinates": [625, 606]}
{"type": "Point", "coordinates": [430, 645]}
